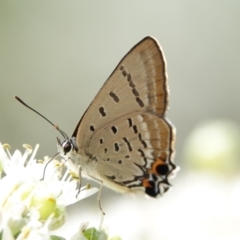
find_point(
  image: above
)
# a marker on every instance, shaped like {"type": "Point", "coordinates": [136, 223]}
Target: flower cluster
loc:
{"type": "Point", "coordinates": [31, 206]}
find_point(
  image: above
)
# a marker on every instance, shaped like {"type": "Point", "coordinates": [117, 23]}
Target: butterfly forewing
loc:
{"type": "Point", "coordinates": [124, 129]}
{"type": "Point", "coordinates": [137, 84]}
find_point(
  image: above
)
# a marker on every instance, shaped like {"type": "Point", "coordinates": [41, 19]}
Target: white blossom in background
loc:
{"type": "Point", "coordinates": [31, 207]}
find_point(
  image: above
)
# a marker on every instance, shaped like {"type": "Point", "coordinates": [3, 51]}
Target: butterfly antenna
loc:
{"type": "Point", "coordinates": [55, 126]}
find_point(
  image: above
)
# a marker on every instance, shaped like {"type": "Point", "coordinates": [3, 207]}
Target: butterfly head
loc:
{"type": "Point", "coordinates": [67, 146]}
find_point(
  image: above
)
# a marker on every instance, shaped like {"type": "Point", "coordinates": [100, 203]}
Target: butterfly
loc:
{"type": "Point", "coordinates": [124, 139]}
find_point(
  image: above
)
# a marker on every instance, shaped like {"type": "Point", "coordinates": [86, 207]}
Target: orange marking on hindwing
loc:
{"type": "Point", "coordinates": [155, 166]}
{"type": "Point", "coordinates": [145, 183]}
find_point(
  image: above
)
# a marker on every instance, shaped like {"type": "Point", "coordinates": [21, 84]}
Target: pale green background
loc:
{"type": "Point", "coordinates": [56, 55]}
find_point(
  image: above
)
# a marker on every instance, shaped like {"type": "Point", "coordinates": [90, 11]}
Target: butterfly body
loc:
{"type": "Point", "coordinates": [124, 138]}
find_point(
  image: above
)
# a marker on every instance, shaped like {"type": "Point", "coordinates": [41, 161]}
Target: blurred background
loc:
{"type": "Point", "coordinates": [56, 55]}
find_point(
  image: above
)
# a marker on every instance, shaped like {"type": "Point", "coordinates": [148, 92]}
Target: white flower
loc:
{"type": "Point", "coordinates": [30, 206]}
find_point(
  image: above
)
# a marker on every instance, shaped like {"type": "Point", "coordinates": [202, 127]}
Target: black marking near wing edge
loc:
{"type": "Point", "coordinates": [124, 73]}
{"type": "Point", "coordinates": [129, 77]}
{"type": "Point", "coordinates": [142, 141]}
{"type": "Point", "coordinates": [133, 86]}
{"type": "Point", "coordinates": [140, 102]}
{"type": "Point", "coordinates": [135, 92]}
{"type": "Point", "coordinates": [128, 144]}
{"type": "Point", "coordinates": [143, 155]}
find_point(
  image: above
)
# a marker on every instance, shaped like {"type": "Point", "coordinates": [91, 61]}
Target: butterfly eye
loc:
{"type": "Point", "coordinates": [67, 147]}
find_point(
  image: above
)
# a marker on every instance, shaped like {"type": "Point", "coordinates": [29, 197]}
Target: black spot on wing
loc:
{"type": "Point", "coordinates": [114, 96]}
{"type": "Point", "coordinates": [130, 122]}
{"type": "Point", "coordinates": [116, 147]}
{"type": "Point", "coordinates": [102, 111]}
{"type": "Point", "coordinates": [114, 129]}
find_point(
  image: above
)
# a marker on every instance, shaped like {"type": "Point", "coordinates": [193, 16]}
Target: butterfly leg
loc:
{"type": "Point", "coordinates": [80, 180]}
{"type": "Point", "coordinates": [45, 168]}
{"type": "Point", "coordinates": [98, 199]}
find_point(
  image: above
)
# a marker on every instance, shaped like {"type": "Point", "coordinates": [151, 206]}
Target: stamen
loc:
{"type": "Point", "coordinates": [34, 153]}
{"type": "Point", "coordinates": [7, 147]}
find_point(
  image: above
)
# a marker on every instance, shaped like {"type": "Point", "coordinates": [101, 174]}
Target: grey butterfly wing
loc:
{"type": "Point", "coordinates": [138, 85]}
{"type": "Point", "coordinates": [134, 152]}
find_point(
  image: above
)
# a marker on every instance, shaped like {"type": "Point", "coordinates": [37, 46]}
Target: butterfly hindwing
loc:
{"type": "Point", "coordinates": [133, 150]}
